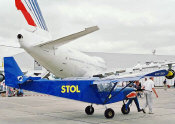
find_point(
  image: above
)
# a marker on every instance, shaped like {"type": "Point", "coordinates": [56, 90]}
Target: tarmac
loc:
{"type": "Point", "coordinates": [35, 108]}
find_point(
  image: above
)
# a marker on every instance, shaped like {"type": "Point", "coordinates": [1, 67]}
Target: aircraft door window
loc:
{"type": "Point", "coordinates": [105, 87]}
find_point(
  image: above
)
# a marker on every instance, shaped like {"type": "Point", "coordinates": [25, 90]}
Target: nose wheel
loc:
{"type": "Point", "coordinates": [89, 110]}
{"type": "Point", "coordinates": [125, 110]}
{"type": "Point", "coordinates": [109, 113]}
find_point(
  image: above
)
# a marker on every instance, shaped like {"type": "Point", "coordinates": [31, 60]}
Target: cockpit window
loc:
{"type": "Point", "coordinates": [105, 87]}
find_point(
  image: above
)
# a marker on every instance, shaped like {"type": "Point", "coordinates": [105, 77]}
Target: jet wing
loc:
{"type": "Point", "coordinates": [133, 70]}
{"type": "Point", "coordinates": [66, 39]}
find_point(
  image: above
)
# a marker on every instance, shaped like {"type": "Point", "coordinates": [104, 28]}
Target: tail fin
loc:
{"type": "Point", "coordinates": [13, 74]}
{"type": "Point", "coordinates": [32, 13]}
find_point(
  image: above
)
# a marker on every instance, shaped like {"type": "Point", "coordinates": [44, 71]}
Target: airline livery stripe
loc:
{"type": "Point", "coordinates": [39, 13]}
{"type": "Point", "coordinates": [35, 14]}
{"type": "Point", "coordinates": [36, 3]}
{"type": "Point", "coordinates": [31, 11]}
{"type": "Point", "coordinates": [28, 17]}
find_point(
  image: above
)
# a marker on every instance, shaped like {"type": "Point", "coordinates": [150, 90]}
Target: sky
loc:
{"type": "Point", "coordinates": [126, 26]}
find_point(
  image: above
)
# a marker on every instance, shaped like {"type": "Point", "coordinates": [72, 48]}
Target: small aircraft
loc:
{"type": "Point", "coordinates": [93, 91]}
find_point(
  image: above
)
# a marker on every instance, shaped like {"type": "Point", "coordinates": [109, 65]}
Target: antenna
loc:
{"type": "Point", "coordinates": [154, 52]}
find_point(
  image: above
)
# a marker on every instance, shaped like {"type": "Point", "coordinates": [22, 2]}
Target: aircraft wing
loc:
{"type": "Point", "coordinates": [131, 77]}
{"type": "Point", "coordinates": [68, 38]}
{"type": "Point", "coordinates": [127, 78]}
{"type": "Point", "coordinates": [133, 70]}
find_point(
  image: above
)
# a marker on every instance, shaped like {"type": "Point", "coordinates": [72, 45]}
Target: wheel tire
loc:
{"type": "Point", "coordinates": [2, 77]}
{"type": "Point", "coordinates": [124, 110]}
{"type": "Point", "coordinates": [109, 113]}
{"type": "Point", "coordinates": [89, 110]}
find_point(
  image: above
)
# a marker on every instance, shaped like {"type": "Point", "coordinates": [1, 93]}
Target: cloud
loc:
{"type": "Point", "coordinates": [136, 26]}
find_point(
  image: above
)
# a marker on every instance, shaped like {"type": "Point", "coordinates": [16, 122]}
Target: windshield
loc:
{"type": "Point", "coordinates": [105, 87]}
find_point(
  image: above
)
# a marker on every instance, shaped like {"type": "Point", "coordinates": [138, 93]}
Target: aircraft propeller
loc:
{"type": "Point", "coordinates": [171, 72]}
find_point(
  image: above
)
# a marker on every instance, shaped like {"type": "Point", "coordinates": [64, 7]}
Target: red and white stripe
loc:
{"type": "Point", "coordinates": [133, 94]}
{"type": "Point", "coordinates": [32, 13]}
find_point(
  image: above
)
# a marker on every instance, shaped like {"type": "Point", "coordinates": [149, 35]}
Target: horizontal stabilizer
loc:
{"type": "Point", "coordinates": [68, 38]}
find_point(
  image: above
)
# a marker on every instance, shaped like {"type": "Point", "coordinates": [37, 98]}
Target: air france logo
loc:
{"type": "Point", "coordinates": [70, 89]}
{"type": "Point", "coordinates": [20, 78]}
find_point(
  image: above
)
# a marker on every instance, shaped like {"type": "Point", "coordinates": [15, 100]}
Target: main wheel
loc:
{"type": "Point", "coordinates": [89, 110]}
{"type": "Point", "coordinates": [124, 110]}
{"type": "Point", "coordinates": [109, 113]}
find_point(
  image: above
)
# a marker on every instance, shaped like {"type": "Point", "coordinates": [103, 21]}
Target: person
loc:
{"type": "Point", "coordinates": [145, 79]}
{"type": "Point", "coordinates": [164, 83]}
{"type": "Point", "coordinates": [2, 89]}
{"type": "Point", "coordinates": [20, 92]}
{"type": "Point", "coordinates": [1, 86]}
{"type": "Point", "coordinates": [138, 86]}
{"type": "Point", "coordinates": [135, 99]}
{"type": "Point", "coordinates": [149, 87]}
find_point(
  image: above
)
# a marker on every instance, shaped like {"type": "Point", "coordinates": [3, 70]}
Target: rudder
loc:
{"type": "Point", "coordinates": [13, 74]}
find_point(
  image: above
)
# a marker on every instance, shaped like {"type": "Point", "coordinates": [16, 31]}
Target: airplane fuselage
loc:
{"type": "Point", "coordinates": [64, 62]}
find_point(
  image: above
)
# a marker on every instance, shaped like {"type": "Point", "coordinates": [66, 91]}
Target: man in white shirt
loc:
{"type": "Point", "coordinates": [149, 87]}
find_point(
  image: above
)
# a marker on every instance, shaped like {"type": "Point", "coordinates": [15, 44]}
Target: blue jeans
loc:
{"type": "Point", "coordinates": [136, 102]}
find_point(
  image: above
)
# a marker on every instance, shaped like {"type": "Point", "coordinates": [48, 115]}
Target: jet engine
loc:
{"type": "Point", "coordinates": [2, 77]}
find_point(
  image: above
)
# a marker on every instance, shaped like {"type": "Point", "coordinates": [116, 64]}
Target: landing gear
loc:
{"type": "Point", "coordinates": [125, 110]}
{"type": "Point", "coordinates": [109, 113]}
{"type": "Point", "coordinates": [89, 110]}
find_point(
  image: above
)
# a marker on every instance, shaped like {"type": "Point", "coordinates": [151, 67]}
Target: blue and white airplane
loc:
{"type": "Point", "coordinates": [93, 91]}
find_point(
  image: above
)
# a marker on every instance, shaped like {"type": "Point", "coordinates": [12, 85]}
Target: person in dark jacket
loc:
{"type": "Point", "coordinates": [165, 85]}
{"type": "Point", "coordinates": [136, 85]}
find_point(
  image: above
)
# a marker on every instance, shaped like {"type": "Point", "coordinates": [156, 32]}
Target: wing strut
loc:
{"type": "Point", "coordinates": [110, 97]}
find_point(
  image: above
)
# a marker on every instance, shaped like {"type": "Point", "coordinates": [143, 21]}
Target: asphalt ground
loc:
{"type": "Point", "coordinates": [42, 109]}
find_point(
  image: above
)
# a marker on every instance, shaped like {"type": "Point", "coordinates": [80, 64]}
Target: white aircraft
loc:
{"type": "Point", "coordinates": [60, 61]}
